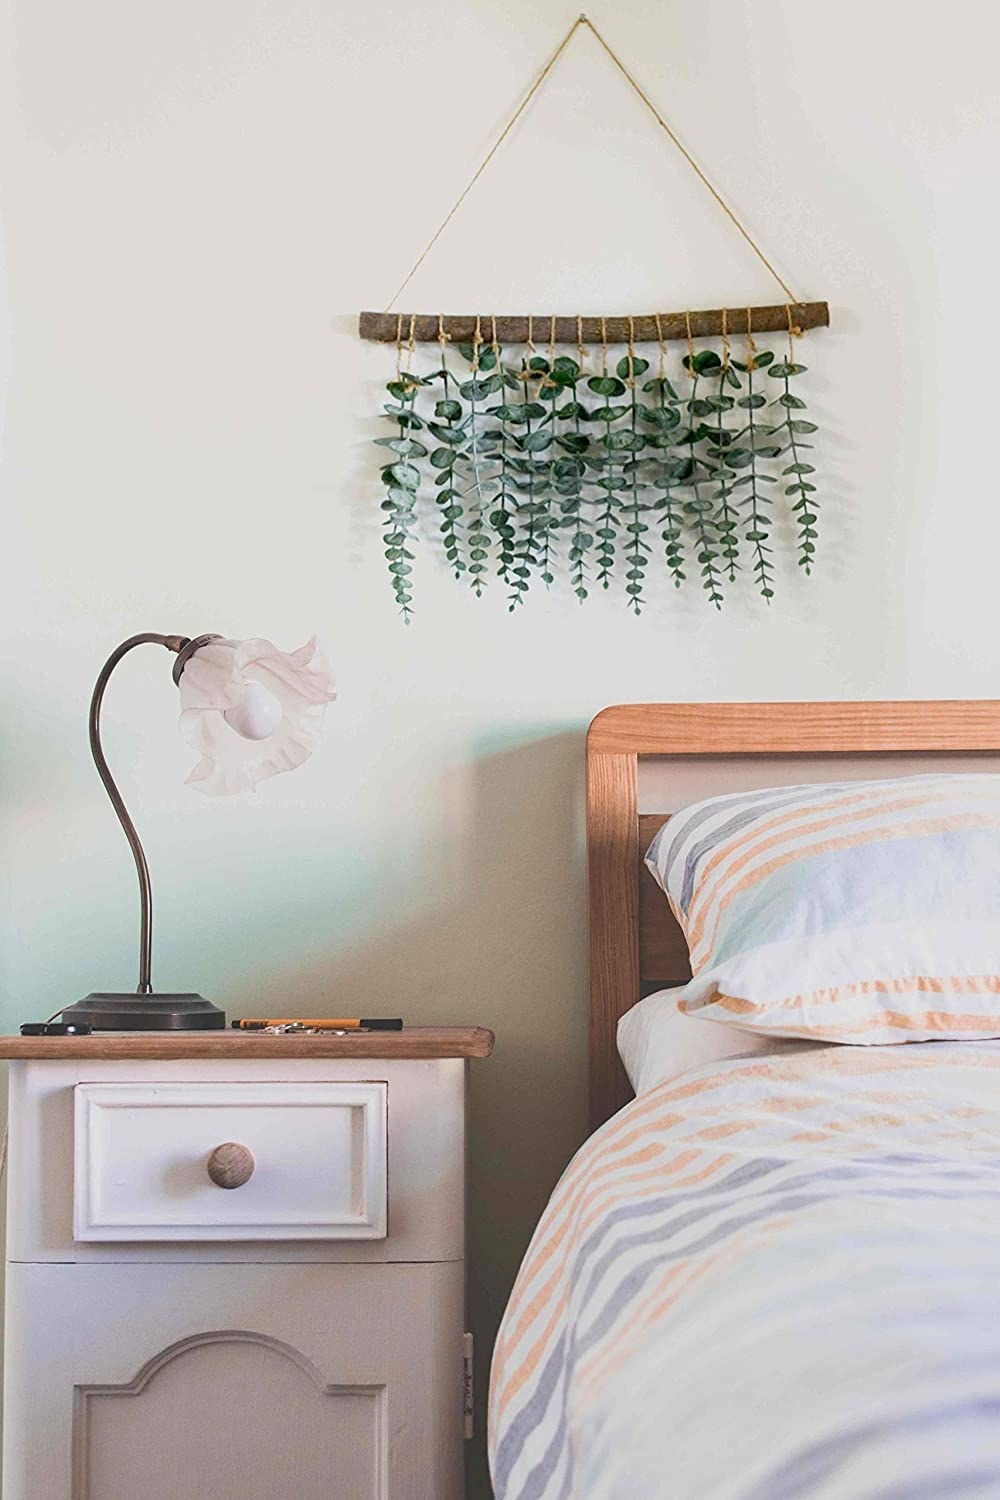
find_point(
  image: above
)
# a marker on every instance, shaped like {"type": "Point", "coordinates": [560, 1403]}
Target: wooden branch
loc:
{"type": "Point", "coordinates": [387, 327]}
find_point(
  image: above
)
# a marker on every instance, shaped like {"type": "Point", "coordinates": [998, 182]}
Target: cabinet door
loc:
{"type": "Point", "coordinates": [235, 1382]}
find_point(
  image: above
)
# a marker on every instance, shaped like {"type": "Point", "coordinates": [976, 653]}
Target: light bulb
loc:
{"type": "Point", "coordinates": [257, 714]}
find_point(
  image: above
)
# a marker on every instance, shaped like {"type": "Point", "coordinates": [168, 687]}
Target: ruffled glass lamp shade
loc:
{"type": "Point", "coordinates": [251, 711]}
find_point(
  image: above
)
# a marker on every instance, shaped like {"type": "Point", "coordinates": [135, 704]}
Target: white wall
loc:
{"type": "Point", "coordinates": [197, 199]}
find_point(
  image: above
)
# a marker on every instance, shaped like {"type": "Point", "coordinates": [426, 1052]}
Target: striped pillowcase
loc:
{"type": "Point", "coordinates": [861, 912]}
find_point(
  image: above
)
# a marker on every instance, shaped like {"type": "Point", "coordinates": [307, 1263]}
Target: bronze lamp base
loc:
{"type": "Point", "coordinates": [108, 1012]}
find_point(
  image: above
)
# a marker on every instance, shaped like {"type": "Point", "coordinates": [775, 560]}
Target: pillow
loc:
{"type": "Point", "coordinates": [860, 912]}
{"type": "Point", "coordinates": [656, 1041]}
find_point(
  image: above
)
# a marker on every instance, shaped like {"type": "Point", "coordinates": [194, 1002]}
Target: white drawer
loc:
{"type": "Point", "coordinates": [141, 1155]}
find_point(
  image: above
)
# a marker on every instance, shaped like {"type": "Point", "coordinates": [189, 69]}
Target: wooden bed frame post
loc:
{"type": "Point", "coordinates": [613, 908]}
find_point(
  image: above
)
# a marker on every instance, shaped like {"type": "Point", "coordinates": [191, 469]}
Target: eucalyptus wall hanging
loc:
{"type": "Point", "coordinates": [547, 445]}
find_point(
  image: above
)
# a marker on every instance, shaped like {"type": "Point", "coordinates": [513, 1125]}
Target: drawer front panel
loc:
{"type": "Point", "coordinates": [316, 1162]}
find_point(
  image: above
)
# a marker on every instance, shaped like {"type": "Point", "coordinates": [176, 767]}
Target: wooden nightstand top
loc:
{"type": "Point", "coordinates": [412, 1042]}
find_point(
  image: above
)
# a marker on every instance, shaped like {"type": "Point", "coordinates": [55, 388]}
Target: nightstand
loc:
{"type": "Point", "coordinates": [284, 1317]}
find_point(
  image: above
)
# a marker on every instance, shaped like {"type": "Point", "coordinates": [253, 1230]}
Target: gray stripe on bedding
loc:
{"type": "Point", "coordinates": [799, 1476]}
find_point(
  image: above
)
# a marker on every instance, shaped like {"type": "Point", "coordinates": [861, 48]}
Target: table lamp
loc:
{"type": "Point", "coordinates": [251, 711]}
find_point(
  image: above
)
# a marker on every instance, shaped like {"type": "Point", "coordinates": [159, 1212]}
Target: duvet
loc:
{"type": "Point", "coordinates": [767, 1280]}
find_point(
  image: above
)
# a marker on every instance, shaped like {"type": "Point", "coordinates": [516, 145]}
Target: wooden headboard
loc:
{"type": "Point", "coordinates": [634, 942]}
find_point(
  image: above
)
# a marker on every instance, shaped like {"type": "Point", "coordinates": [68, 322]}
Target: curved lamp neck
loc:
{"type": "Point", "coordinates": [175, 643]}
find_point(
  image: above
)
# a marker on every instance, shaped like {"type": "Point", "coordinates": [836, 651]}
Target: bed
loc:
{"type": "Point", "coordinates": [773, 1275]}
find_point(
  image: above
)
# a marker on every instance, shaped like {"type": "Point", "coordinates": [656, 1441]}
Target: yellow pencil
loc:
{"type": "Point", "coordinates": [349, 1023]}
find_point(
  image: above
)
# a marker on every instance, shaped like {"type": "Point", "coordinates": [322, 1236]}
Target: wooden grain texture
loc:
{"type": "Point", "coordinates": [425, 328]}
{"type": "Point", "coordinates": [795, 728]}
{"type": "Point", "coordinates": [412, 1042]}
{"type": "Point", "coordinates": [230, 1165]}
{"type": "Point", "coordinates": [634, 941]}
{"type": "Point", "coordinates": [613, 914]}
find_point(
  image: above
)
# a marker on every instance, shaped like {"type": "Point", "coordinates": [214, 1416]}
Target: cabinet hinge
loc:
{"type": "Point", "coordinates": [468, 1391]}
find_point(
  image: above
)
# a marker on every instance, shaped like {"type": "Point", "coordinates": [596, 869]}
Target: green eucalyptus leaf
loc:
{"type": "Point", "coordinates": [785, 368]}
{"type": "Point", "coordinates": [637, 367]}
{"type": "Point", "coordinates": [442, 458]}
{"type": "Point", "coordinates": [568, 468]}
{"type": "Point", "coordinates": [606, 385]}
{"type": "Point", "coordinates": [661, 417]}
{"type": "Point", "coordinates": [454, 436]}
{"type": "Point", "coordinates": [704, 362]}
{"type": "Point", "coordinates": [752, 403]}
{"type": "Point", "coordinates": [792, 402]}
{"type": "Point", "coordinates": [799, 425]}
{"type": "Point", "coordinates": [405, 388]}
{"type": "Point", "coordinates": [448, 411]}
{"type": "Point", "coordinates": [405, 475]}
{"type": "Point", "coordinates": [478, 390]}
{"type": "Point", "coordinates": [624, 442]}
{"type": "Point", "coordinates": [405, 447]}
{"type": "Point", "coordinates": [660, 386]}
{"type": "Point", "coordinates": [535, 442]}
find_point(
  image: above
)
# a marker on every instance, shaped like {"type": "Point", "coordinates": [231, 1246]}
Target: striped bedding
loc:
{"type": "Point", "coordinates": [764, 1280]}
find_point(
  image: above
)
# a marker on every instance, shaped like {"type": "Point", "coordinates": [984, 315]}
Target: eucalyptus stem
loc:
{"type": "Point", "coordinates": [806, 507]}
{"type": "Point", "coordinates": [581, 540]}
{"type": "Point", "coordinates": [725, 522]}
{"type": "Point", "coordinates": [758, 532]}
{"type": "Point", "coordinates": [501, 520]}
{"type": "Point", "coordinates": [698, 508]}
{"type": "Point", "coordinates": [638, 551]}
{"type": "Point", "coordinates": [525, 557]}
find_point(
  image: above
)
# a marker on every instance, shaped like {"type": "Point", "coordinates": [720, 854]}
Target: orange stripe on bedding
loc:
{"type": "Point", "coordinates": [877, 834]}
{"type": "Point", "coordinates": [903, 984]}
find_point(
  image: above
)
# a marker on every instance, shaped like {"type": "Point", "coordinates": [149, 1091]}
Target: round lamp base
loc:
{"type": "Point", "coordinates": [106, 1012]}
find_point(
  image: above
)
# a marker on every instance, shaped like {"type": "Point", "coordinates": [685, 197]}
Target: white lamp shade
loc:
{"type": "Point", "coordinates": [252, 711]}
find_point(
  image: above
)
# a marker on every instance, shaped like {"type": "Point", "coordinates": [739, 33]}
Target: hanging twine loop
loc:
{"type": "Point", "coordinates": [443, 340]}
{"type": "Point", "coordinates": [477, 339]}
{"type": "Point", "coordinates": [751, 342]}
{"type": "Point", "coordinates": [794, 332]}
{"type": "Point", "coordinates": [525, 373]}
{"type": "Point", "coordinates": [579, 341]}
{"type": "Point", "coordinates": [547, 381]}
{"type": "Point", "coordinates": [519, 111]}
{"type": "Point", "coordinates": [399, 347]}
{"type": "Point", "coordinates": [690, 344]}
{"type": "Point", "coordinates": [661, 365]}
{"type": "Point", "coordinates": [604, 345]}
{"type": "Point", "coordinates": [725, 339]}
{"type": "Point", "coordinates": [494, 344]}
{"type": "Point", "coordinates": [630, 382]}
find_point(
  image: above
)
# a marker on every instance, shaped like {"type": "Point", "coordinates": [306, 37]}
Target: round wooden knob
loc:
{"type": "Point", "coordinates": [231, 1165]}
